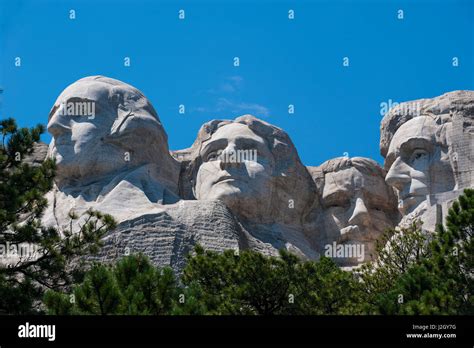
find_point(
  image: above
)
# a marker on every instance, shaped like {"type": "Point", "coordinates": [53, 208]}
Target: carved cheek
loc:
{"type": "Point", "coordinates": [85, 138]}
{"type": "Point", "coordinates": [199, 180]}
{"type": "Point", "coordinates": [255, 169]}
{"type": "Point", "coordinates": [339, 216]}
{"type": "Point", "coordinates": [380, 219]}
{"type": "Point", "coordinates": [420, 176]}
{"type": "Point", "coordinates": [205, 178]}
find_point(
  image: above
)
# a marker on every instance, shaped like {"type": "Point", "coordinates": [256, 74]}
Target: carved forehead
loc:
{"type": "Point", "coordinates": [103, 90]}
{"type": "Point", "coordinates": [235, 131]}
{"type": "Point", "coordinates": [93, 90]}
{"type": "Point", "coordinates": [423, 127]}
{"type": "Point", "coordinates": [86, 90]}
{"type": "Point", "coordinates": [351, 180]}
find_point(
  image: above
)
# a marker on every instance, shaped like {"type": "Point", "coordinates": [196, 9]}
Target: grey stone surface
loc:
{"type": "Point", "coordinates": [356, 207]}
{"type": "Point", "coordinates": [40, 151]}
{"type": "Point", "coordinates": [271, 195]}
{"type": "Point", "coordinates": [167, 237]}
{"type": "Point", "coordinates": [117, 161]}
{"type": "Point", "coordinates": [428, 145]}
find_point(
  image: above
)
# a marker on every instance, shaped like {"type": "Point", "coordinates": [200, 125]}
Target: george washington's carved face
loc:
{"type": "Point", "coordinates": [101, 126]}
{"type": "Point", "coordinates": [227, 173]}
{"type": "Point", "coordinates": [78, 139]}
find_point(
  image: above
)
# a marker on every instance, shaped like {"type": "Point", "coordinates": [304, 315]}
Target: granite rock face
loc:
{"type": "Point", "coordinates": [242, 185]}
{"type": "Point", "coordinates": [117, 161]}
{"type": "Point", "coordinates": [38, 155]}
{"type": "Point", "coordinates": [171, 234]}
{"type": "Point", "coordinates": [254, 168]}
{"type": "Point", "coordinates": [117, 153]}
{"type": "Point", "coordinates": [356, 207]}
{"type": "Point", "coordinates": [428, 146]}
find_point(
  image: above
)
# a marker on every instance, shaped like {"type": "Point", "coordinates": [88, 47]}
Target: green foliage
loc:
{"type": "Point", "coordinates": [21, 186]}
{"type": "Point", "coordinates": [251, 283]}
{"type": "Point", "coordinates": [213, 283]}
{"type": "Point", "coordinates": [191, 301]}
{"type": "Point", "coordinates": [412, 275]}
{"type": "Point", "coordinates": [439, 279]}
{"type": "Point", "coordinates": [396, 251]}
{"type": "Point", "coordinates": [48, 263]}
{"type": "Point", "coordinates": [145, 288]}
{"type": "Point", "coordinates": [323, 288]}
{"type": "Point", "coordinates": [132, 286]}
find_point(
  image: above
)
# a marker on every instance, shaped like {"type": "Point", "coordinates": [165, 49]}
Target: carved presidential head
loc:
{"type": "Point", "coordinates": [357, 206]}
{"type": "Point", "coordinates": [101, 126]}
{"type": "Point", "coordinates": [253, 167]}
{"type": "Point", "coordinates": [422, 142]}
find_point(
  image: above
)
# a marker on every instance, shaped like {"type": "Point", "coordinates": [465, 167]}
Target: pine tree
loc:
{"type": "Point", "coordinates": [132, 286]}
{"type": "Point", "coordinates": [396, 252]}
{"type": "Point", "coordinates": [441, 282]}
{"type": "Point", "coordinates": [252, 283]}
{"type": "Point", "coordinates": [322, 288]}
{"type": "Point", "coordinates": [146, 289]}
{"type": "Point", "coordinates": [99, 293]}
{"type": "Point", "coordinates": [444, 283]}
{"type": "Point", "coordinates": [50, 252]}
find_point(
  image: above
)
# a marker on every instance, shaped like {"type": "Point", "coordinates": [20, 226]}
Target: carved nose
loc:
{"type": "Point", "coordinates": [399, 175]}
{"type": "Point", "coordinates": [360, 215]}
{"type": "Point", "coordinates": [229, 158]}
{"type": "Point", "coordinates": [57, 125]}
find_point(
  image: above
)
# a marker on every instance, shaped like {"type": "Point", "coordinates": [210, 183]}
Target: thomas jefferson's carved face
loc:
{"type": "Point", "coordinates": [418, 165]}
{"type": "Point", "coordinates": [356, 208]}
{"type": "Point", "coordinates": [244, 185]}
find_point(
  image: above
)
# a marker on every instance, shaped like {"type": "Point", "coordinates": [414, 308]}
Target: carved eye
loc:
{"type": "Point", "coordinates": [338, 204]}
{"type": "Point", "coordinates": [418, 154]}
{"type": "Point", "coordinates": [213, 156]}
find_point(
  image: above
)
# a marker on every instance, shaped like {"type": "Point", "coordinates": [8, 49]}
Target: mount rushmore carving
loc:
{"type": "Point", "coordinates": [242, 185]}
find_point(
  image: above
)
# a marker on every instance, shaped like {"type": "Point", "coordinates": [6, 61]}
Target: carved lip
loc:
{"type": "Point", "coordinates": [62, 140]}
{"type": "Point", "coordinates": [349, 230]}
{"type": "Point", "coordinates": [410, 196]}
{"type": "Point", "coordinates": [224, 179]}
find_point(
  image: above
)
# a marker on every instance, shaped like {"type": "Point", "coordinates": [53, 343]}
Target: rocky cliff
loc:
{"type": "Point", "coordinates": [241, 185]}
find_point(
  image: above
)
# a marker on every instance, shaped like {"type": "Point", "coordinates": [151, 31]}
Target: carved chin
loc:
{"type": "Point", "coordinates": [225, 192]}
{"type": "Point", "coordinates": [411, 203]}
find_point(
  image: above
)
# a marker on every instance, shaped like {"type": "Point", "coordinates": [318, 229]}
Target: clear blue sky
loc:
{"type": "Point", "coordinates": [190, 62]}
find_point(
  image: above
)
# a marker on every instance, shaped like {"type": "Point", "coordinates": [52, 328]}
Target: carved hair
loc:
{"type": "Point", "coordinates": [453, 112]}
{"type": "Point", "coordinates": [364, 165]}
{"type": "Point", "coordinates": [441, 109]}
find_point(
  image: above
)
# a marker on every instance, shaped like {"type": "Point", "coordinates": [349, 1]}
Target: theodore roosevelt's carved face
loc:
{"type": "Point", "coordinates": [356, 208]}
